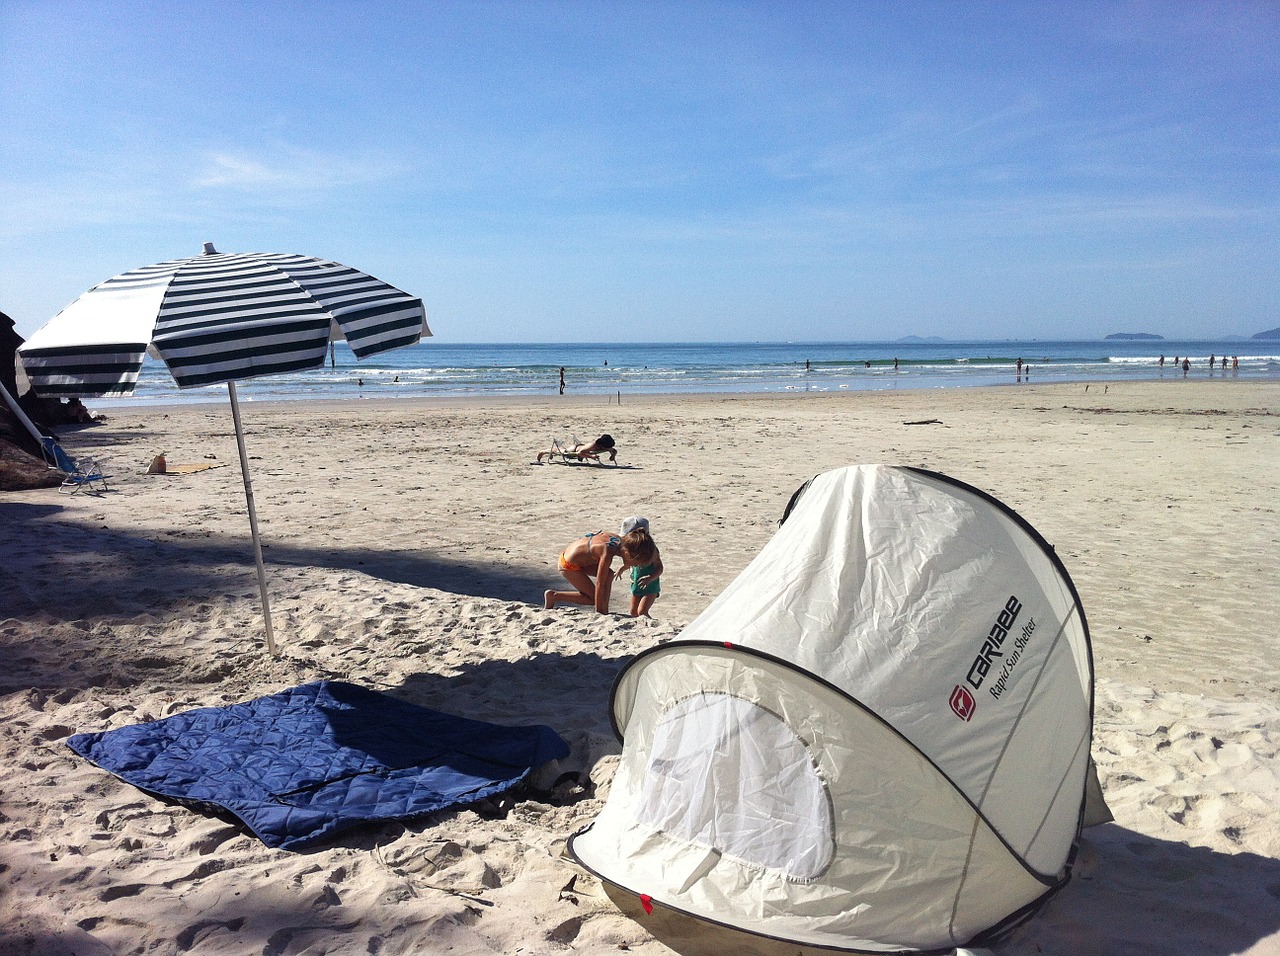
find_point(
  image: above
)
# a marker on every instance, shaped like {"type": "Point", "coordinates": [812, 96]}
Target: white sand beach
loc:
{"type": "Point", "coordinates": [408, 545]}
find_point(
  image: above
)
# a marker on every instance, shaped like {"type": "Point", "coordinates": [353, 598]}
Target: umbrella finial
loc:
{"type": "Point", "coordinates": [209, 250]}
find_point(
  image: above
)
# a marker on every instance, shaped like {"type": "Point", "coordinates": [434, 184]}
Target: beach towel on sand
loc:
{"type": "Point", "coordinates": [301, 765]}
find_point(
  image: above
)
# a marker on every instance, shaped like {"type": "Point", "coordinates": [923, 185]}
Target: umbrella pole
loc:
{"type": "Point", "coordinates": [253, 517]}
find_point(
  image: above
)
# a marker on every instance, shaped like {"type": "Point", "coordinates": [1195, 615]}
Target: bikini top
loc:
{"type": "Point", "coordinates": [614, 540]}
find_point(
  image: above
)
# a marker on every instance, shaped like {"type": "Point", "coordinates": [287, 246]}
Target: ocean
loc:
{"type": "Point", "coordinates": [437, 369]}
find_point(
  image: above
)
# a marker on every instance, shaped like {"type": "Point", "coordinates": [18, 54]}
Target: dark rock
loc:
{"type": "Point", "coordinates": [9, 342]}
{"type": "Point", "coordinates": [20, 471]}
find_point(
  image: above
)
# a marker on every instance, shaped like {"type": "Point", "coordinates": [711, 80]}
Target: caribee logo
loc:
{"type": "Point", "coordinates": [962, 703]}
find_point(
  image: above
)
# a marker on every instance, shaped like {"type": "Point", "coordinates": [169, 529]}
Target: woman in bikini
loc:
{"type": "Point", "coordinates": [587, 564]}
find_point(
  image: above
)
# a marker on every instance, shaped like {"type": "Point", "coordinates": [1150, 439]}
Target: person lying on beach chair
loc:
{"type": "Point", "coordinates": [581, 451]}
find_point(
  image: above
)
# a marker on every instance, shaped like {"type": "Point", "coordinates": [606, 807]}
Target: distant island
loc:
{"type": "Point", "coordinates": [1134, 336]}
{"type": "Point", "coordinates": [1273, 334]}
{"type": "Point", "coordinates": [930, 339]}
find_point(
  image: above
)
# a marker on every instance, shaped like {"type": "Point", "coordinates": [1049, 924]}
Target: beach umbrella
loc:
{"type": "Point", "coordinates": [218, 318]}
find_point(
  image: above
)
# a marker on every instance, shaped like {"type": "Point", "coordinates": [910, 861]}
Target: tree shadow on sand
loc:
{"type": "Point", "coordinates": [94, 578]}
{"type": "Point", "coordinates": [64, 578]}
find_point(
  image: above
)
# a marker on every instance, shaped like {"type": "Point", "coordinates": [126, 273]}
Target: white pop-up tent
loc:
{"type": "Point", "coordinates": [875, 740]}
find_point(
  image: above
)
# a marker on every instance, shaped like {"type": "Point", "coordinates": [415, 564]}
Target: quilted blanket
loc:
{"type": "Point", "coordinates": [299, 766]}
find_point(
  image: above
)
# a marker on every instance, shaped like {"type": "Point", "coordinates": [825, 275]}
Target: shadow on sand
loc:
{"type": "Point", "coordinates": [1195, 901]}
{"type": "Point", "coordinates": [1131, 894]}
{"type": "Point", "coordinates": [189, 560]}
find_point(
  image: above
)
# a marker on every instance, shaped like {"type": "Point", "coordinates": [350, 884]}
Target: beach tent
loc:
{"type": "Point", "coordinates": [876, 739]}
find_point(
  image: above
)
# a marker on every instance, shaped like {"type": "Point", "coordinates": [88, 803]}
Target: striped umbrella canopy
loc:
{"type": "Point", "coordinates": [218, 318]}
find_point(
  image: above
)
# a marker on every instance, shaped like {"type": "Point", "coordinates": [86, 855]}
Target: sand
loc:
{"type": "Point", "coordinates": [408, 547]}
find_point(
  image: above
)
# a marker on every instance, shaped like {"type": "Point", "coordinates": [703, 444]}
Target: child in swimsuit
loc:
{"type": "Point", "coordinates": [641, 556]}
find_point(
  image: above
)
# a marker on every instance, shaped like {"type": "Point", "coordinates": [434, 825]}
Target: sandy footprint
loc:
{"type": "Point", "coordinates": [446, 865]}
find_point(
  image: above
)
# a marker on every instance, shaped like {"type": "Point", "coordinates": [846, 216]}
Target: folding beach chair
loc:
{"type": "Point", "coordinates": [559, 449]}
{"type": "Point", "coordinates": [77, 473]}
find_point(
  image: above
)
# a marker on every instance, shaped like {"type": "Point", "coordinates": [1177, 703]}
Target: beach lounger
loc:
{"type": "Point", "coordinates": [77, 473]}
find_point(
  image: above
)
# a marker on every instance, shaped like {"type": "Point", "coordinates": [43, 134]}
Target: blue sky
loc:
{"type": "Point", "coordinates": [600, 171]}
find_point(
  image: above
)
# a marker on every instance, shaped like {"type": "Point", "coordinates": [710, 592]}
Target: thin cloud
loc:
{"type": "Point", "coordinates": [291, 170]}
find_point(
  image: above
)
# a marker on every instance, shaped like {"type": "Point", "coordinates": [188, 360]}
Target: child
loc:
{"type": "Point", "coordinates": [640, 554]}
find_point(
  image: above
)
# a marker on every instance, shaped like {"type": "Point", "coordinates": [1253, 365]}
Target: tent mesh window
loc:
{"type": "Point", "coordinates": [727, 774]}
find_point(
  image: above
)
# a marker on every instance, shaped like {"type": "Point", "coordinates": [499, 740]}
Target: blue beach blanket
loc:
{"type": "Point", "coordinates": [301, 765]}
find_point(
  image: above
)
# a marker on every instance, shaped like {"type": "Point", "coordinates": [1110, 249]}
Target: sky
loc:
{"type": "Point", "coordinates": [666, 171]}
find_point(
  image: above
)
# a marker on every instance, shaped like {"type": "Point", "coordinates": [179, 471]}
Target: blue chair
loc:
{"type": "Point", "coordinates": [77, 473]}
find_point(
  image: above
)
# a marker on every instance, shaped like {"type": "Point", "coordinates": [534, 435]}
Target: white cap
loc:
{"type": "Point", "coordinates": [635, 521]}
